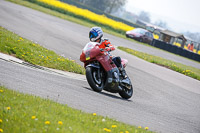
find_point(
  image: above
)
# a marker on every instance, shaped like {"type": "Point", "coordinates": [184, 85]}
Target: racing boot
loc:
{"type": "Point", "coordinates": [122, 72]}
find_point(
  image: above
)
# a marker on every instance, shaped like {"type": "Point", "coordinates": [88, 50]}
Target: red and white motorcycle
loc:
{"type": "Point", "coordinates": [103, 74]}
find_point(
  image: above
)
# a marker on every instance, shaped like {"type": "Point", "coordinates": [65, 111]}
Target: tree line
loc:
{"type": "Point", "coordinates": [106, 6]}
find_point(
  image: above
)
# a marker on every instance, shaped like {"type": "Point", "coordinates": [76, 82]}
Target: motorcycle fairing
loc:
{"type": "Point", "coordinates": [112, 82]}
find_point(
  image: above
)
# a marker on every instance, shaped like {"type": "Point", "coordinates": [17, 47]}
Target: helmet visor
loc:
{"type": "Point", "coordinates": [93, 34]}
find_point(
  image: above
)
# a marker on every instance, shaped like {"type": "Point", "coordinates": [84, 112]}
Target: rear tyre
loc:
{"type": "Point", "coordinates": [95, 81]}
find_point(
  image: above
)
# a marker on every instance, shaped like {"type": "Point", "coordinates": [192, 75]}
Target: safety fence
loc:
{"type": "Point", "coordinates": [175, 49]}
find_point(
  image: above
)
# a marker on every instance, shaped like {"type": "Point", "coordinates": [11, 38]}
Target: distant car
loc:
{"type": "Point", "coordinates": [141, 35]}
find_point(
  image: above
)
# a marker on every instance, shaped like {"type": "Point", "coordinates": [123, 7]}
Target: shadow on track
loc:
{"type": "Point", "coordinates": [108, 95]}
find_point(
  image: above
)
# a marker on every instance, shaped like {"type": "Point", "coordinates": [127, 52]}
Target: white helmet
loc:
{"type": "Point", "coordinates": [95, 33]}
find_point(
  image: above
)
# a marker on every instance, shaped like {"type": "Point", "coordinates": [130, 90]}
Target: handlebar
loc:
{"type": "Point", "coordinates": [105, 51]}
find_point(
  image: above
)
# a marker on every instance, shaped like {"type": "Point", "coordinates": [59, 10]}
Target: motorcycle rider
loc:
{"type": "Point", "coordinates": [95, 35]}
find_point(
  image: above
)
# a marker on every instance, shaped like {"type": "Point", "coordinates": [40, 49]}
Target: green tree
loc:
{"type": "Point", "coordinates": [144, 16]}
{"type": "Point", "coordinates": [106, 6]}
{"type": "Point", "coordinates": [114, 5]}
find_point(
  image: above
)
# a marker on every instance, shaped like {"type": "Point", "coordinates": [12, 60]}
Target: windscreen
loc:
{"type": "Point", "coordinates": [89, 46]}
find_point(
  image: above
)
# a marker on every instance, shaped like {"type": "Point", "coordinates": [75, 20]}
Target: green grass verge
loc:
{"type": "Point", "coordinates": [14, 45]}
{"type": "Point", "coordinates": [22, 113]}
{"type": "Point", "coordinates": [178, 67]}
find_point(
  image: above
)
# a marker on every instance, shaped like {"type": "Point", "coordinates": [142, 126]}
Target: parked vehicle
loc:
{"type": "Point", "coordinates": [103, 74]}
{"type": "Point", "coordinates": [141, 35]}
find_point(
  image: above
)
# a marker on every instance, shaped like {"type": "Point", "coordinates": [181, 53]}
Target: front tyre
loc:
{"type": "Point", "coordinates": [127, 91]}
{"type": "Point", "coordinates": [95, 81]}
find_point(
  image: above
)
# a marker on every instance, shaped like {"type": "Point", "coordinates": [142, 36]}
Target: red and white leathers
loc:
{"type": "Point", "coordinates": [105, 44]}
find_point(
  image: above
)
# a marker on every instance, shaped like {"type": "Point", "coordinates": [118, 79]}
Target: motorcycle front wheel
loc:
{"type": "Point", "coordinates": [95, 81]}
{"type": "Point", "coordinates": [127, 91]}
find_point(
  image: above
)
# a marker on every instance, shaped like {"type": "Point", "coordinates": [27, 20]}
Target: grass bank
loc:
{"type": "Point", "coordinates": [22, 113]}
{"type": "Point", "coordinates": [14, 45]}
{"type": "Point", "coordinates": [178, 67]}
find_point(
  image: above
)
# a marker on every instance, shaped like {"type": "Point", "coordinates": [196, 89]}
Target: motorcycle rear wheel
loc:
{"type": "Point", "coordinates": [95, 83]}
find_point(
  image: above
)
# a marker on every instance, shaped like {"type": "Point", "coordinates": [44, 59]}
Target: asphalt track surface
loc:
{"type": "Point", "coordinates": [163, 100]}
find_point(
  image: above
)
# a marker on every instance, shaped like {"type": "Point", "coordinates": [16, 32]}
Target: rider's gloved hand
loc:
{"type": "Point", "coordinates": [110, 48]}
{"type": "Point", "coordinates": [107, 49]}
{"type": "Point", "coordinates": [106, 43]}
